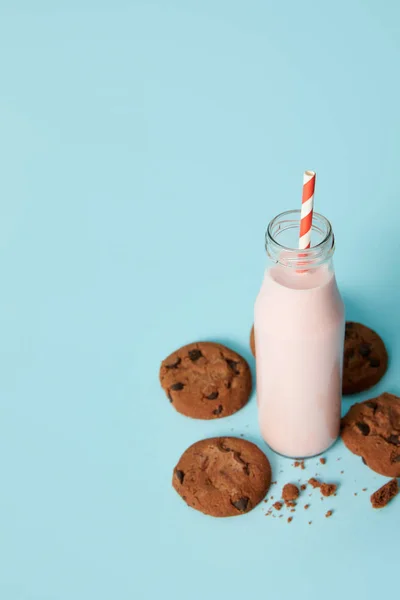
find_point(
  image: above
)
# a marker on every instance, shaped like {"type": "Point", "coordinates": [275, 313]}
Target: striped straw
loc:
{"type": "Point", "coordinates": [307, 205]}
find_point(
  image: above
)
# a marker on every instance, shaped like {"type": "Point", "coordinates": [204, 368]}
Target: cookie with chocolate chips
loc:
{"type": "Point", "coordinates": [365, 358]}
{"type": "Point", "coordinates": [371, 429]}
{"type": "Point", "coordinates": [206, 380]}
{"type": "Point", "coordinates": [222, 477]}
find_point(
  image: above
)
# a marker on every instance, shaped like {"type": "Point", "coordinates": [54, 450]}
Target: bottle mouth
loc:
{"type": "Point", "coordinates": [282, 235]}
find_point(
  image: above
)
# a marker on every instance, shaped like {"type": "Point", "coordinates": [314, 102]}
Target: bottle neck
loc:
{"type": "Point", "coordinates": [281, 241]}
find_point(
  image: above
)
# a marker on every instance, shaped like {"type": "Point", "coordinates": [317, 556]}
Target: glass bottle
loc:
{"type": "Point", "coordinates": [299, 335]}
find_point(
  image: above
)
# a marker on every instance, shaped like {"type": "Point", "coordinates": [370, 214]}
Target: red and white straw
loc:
{"type": "Point", "coordinates": [307, 206]}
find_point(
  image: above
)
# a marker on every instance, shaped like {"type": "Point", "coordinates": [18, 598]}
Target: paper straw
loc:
{"type": "Point", "coordinates": [307, 205]}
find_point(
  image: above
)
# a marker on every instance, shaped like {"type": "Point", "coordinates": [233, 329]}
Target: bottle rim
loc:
{"type": "Point", "coordinates": [295, 257]}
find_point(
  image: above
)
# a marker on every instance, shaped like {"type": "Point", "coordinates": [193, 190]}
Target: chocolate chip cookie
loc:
{"type": "Point", "coordinates": [365, 358]}
{"type": "Point", "coordinates": [206, 380]}
{"type": "Point", "coordinates": [222, 477]}
{"type": "Point", "coordinates": [371, 429]}
{"type": "Point", "coordinates": [252, 342]}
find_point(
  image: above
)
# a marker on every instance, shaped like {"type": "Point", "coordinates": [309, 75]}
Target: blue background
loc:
{"type": "Point", "coordinates": [144, 148]}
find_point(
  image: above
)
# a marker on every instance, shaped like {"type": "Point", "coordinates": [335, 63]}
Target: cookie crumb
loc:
{"type": "Point", "coordinates": [314, 482]}
{"type": "Point", "coordinates": [290, 519]}
{"type": "Point", "coordinates": [303, 487]}
{"type": "Point", "coordinates": [355, 493]}
{"type": "Point", "coordinates": [273, 482]}
{"type": "Point", "coordinates": [342, 472]}
{"type": "Point", "coordinates": [306, 506]}
{"type": "Point", "coordinates": [299, 463]}
{"type": "Point", "coordinates": [322, 461]}
{"type": "Point", "coordinates": [290, 492]}
{"type": "Point", "coordinates": [364, 489]}
{"type": "Point", "coordinates": [381, 497]}
{"type": "Point", "coordinates": [328, 489]}
{"type": "Point", "coordinates": [309, 522]}
{"type": "Point", "coordinates": [329, 513]}
{"type": "Point", "coordinates": [277, 505]}
{"type": "Point", "coordinates": [293, 510]}
{"type": "Point", "coordinates": [272, 497]}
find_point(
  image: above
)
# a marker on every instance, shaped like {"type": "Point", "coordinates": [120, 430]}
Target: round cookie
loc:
{"type": "Point", "coordinates": [365, 358]}
{"type": "Point", "coordinates": [223, 476]}
{"type": "Point", "coordinates": [252, 342]}
{"type": "Point", "coordinates": [371, 429]}
{"type": "Point", "coordinates": [206, 380]}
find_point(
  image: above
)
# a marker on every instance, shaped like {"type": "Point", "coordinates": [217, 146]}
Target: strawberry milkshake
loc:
{"type": "Point", "coordinates": [299, 334]}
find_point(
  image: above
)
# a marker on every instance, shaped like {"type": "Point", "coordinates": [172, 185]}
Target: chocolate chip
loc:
{"type": "Point", "coordinates": [212, 396]}
{"type": "Point", "coordinates": [232, 364]}
{"type": "Point", "coordinates": [195, 355]}
{"type": "Point", "coordinates": [394, 439]}
{"type": "Point", "coordinates": [237, 457]}
{"type": "Point", "coordinates": [371, 404]}
{"type": "Point", "coordinates": [364, 349]}
{"type": "Point", "coordinates": [176, 387]}
{"type": "Point", "coordinates": [349, 324]}
{"type": "Point", "coordinates": [364, 461]}
{"type": "Point", "coordinates": [218, 410]}
{"type": "Point", "coordinates": [241, 504]}
{"type": "Point", "coordinates": [174, 365]}
{"type": "Point", "coordinates": [363, 427]}
{"type": "Point", "coordinates": [348, 355]}
{"type": "Point", "coordinates": [223, 448]}
{"type": "Point", "coordinates": [180, 475]}
{"type": "Point", "coordinates": [395, 459]}
{"type": "Point", "coordinates": [228, 384]}
{"type": "Point", "coordinates": [374, 362]}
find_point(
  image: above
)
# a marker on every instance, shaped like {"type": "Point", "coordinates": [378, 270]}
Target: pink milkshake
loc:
{"type": "Point", "coordinates": [299, 334]}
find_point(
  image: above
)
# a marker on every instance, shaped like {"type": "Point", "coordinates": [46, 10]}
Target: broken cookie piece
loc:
{"type": "Point", "coordinates": [290, 492]}
{"type": "Point", "coordinates": [328, 489]}
{"type": "Point", "coordinates": [381, 497]}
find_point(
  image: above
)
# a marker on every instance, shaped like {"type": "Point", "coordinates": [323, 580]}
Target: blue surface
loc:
{"type": "Point", "coordinates": [144, 148]}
